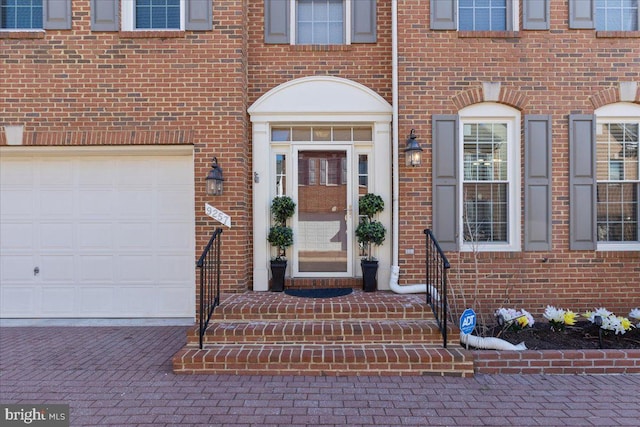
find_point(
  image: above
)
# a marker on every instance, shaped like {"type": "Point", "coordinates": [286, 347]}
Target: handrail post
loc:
{"type": "Point", "coordinates": [209, 265]}
{"type": "Point", "coordinates": [436, 266]}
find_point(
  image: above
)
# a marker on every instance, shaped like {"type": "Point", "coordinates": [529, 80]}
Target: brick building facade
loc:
{"type": "Point", "coordinates": [512, 180]}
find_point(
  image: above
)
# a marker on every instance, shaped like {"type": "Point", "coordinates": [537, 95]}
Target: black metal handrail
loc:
{"type": "Point", "coordinates": [437, 267]}
{"type": "Point", "coordinates": [209, 265]}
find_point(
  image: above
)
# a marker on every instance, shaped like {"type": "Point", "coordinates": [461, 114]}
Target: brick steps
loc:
{"type": "Point", "coordinates": [321, 331]}
{"type": "Point", "coordinates": [376, 333]}
{"type": "Point", "coordinates": [324, 359]}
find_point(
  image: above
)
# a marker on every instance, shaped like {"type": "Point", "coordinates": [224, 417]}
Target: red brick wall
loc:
{"type": "Point", "coordinates": [556, 72]}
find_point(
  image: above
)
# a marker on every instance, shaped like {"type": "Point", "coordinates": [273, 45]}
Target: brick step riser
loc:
{"type": "Point", "coordinates": [324, 360]}
{"type": "Point", "coordinates": [229, 314]}
{"type": "Point", "coordinates": [319, 333]}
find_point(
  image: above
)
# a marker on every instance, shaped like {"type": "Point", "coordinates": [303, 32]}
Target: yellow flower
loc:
{"type": "Point", "coordinates": [570, 318]}
{"type": "Point", "coordinates": [523, 321]}
{"type": "Point", "coordinates": [625, 323]}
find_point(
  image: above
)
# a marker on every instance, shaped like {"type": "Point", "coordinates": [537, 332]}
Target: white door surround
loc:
{"type": "Point", "coordinates": [313, 100]}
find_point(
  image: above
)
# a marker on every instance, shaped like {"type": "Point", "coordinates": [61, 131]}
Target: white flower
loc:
{"type": "Point", "coordinates": [635, 314]}
{"type": "Point", "coordinates": [553, 314]}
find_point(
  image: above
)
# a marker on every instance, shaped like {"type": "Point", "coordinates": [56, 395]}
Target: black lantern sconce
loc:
{"type": "Point", "coordinates": [413, 151]}
{"type": "Point", "coordinates": [214, 179]}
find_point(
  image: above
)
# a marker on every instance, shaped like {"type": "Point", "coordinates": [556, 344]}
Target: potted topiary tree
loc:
{"type": "Point", "coordinates": [370, 232]}
{"type": "Point", "coordinates": [281, 237]}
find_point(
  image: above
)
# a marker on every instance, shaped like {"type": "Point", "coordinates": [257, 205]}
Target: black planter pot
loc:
{"type": "Point", "coordinates": [369, 272]}
{"type": "Point", "coordinates": [278, 269]}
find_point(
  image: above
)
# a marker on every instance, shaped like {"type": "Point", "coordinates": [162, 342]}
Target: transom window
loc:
{"type": "Point", "coordinates": [320, 22]}
{"type": "Point", "coordinates": [21, 14]}
{"type": "Point", "coordinates": [322, 133]}
{"type": "Point", "coordinates": [158, 14]}
{"type": "Point", "coordinates": [483, 15]}
{"type": "Point", "coordinates": [618, 180]}
{"type": "Point", "coordinates": [617, 15]}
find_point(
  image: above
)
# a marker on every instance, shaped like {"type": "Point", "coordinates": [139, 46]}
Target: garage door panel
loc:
{"type": "Point", "coordinates": [136, 269]}
{"type": "Point", "coordinates": [169, 267]}
{"type": "Point", "coordinates": [135, 235]}
{"type": "Point", "coordinates": [172, 235]}
{"type": "Point", "coordinates": [56, 268]}
{"type": "Point", "coordinates": [56, 172]}
{"type": "Point", "coordinates": [96, 301]}
{"type": "Point", "coordinates": [173, 301]}
{"type": "Point", "coordinates": [136, 172]}
{"type": "Point", "coordinates": [97, 268]}
{"type": "Point", "coordinates": [134, 203]}
{"type": "Point", "coordinates": [57, 236]}
{"type": "Point", "coordinates": [17, 300]}
{"type": "Point", "coordinates": [96, 203]}
{"type": "Point", "coordinates": [58, 301]}
{"type": "Point", "coordinates": [96, 236]}
{"type": "Point", "coordinates": [16, 204]}
{"type": "Point", "coordinates": [17, 268]}
{"type": "Point", "coordinates": [112, 235]}
{"type": "Point", "coordinates": [97, 171]}
{"type": "Point", "coordinates": [56, 204]}
{"type": "Point", "coordinates": [170, 173]}
{"type": "Point", "coordinates": [16, 236]}
{"type": "Point", "coordinates": [170, 204]}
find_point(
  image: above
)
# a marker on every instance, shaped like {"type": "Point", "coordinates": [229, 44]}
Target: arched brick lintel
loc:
{"type": "Point", "coordinates": [511, 97]}
{"type": "Point", "coordinates": [612, 95]}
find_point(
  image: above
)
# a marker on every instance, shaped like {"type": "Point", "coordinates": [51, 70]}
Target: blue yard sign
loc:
{"type": "Point", "coordinates": [467, 321]}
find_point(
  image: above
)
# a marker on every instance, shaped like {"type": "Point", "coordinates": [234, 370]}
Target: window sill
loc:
{"type": "Point", "coordinates": [489, 34]}
{"type": "Point", "coordinates": [617, 34]}
{"type": "Point", "coordinates": [152, 34]}
{"type": "Point", "coordinates": [321, 47]}
{"type": "Point", "coordinates": [22, 34]}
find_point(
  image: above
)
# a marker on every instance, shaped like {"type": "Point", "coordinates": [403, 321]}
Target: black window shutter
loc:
{"type": "Point", "coordinates": [445, 180]}
{"type": "Point", "coordinates": [104, 15]}
{"type": "Point", "coordinates": [444, 14]}
{"type": "Point", "coordinates": [582, 182]}
{"type": "Point", "coordinates": [363, 21]}
{"type": "Point", "coordinates": [535, 14]}
{"type": "Point", "coordinates": [537, 183]}
{"type": "Point", "coordinates": [582, 14]}
{"type": "Point", "coordinates": [199, 15]}
{"type": "Point", "coordinates": [56, 14]}
{"type": "Point", "coordinates": [276, 21]}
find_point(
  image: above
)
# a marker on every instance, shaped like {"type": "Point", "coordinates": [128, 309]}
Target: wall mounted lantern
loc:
{"type": "Point", "coordinates": [214, 179]}
{"type": "Point", "coordinates": [413, 151]}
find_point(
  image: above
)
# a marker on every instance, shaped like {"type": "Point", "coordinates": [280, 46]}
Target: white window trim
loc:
{"type": "Point", "coordinates": [294, 23]}
{"type": "Point", "coordinates": [620, 112]}
{"type": "Point", "coordinates": [489, 112]}
{"type": "Point", "coordinates": [128, 8]}
{"type": "Point", "coordinates": [515, 17]}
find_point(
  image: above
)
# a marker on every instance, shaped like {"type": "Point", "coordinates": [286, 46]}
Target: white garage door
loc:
{"type": "Point", "coordinates": [97, 233]}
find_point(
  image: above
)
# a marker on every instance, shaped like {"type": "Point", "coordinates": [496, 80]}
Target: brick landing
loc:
{"type": "Point", "coordinates": [378, 333]}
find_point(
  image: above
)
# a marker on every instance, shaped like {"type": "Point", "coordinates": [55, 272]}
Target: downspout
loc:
{"type": "Point", "coordinates": [395, 269]}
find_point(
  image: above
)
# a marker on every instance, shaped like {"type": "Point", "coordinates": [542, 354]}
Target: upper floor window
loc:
{"type": "Point", "coordinates": [488, 15]}
{"type": "Point", "coordinates": [153, 15]}
{"type": "Point", "coordinates": [618, 178]}
{"type": "Point", "coordinates": [482, 15]}
{"type": "Point", "coordinates": [21, 14]}
{"type": "Point", "coordinates": [320, 22]}
{"type": "Point", "coordinates": [157, 14]}
{"type": "Point", "coordinates": [616, 15]}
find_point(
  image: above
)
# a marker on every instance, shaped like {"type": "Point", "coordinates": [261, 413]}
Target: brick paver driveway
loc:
{"type": "Point", "coordinates": [122, 376]}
